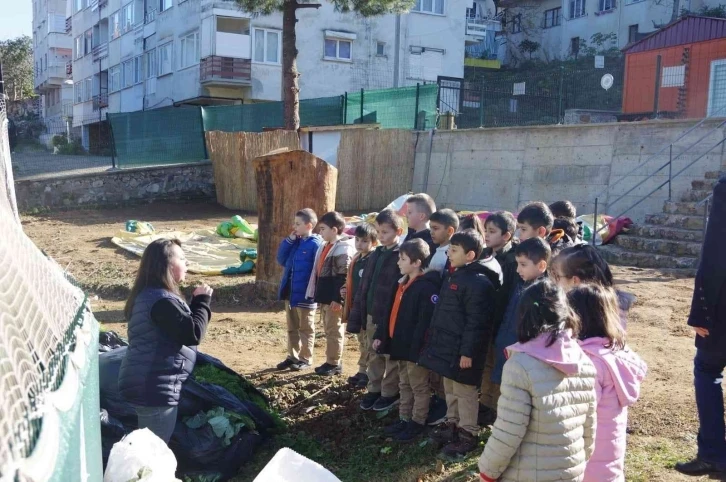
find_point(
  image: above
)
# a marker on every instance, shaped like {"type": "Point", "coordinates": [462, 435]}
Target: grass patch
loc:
{"type": "Point", "coordinates": [653, 458]}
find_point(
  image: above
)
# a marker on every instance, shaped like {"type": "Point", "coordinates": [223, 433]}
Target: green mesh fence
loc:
{"type": "Point", "coordinates": [402, 108]}
{"type": "Point", "coordinates": [168, 135]}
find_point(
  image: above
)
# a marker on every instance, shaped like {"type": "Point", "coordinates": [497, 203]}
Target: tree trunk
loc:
{"type": "Point", "coordinates": [287, 182]}
{"type": "Point", "coordinates": [290, 86]}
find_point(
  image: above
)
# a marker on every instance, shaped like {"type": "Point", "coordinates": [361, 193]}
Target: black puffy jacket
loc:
{"type": "Point", "coordinates": [462, 324]}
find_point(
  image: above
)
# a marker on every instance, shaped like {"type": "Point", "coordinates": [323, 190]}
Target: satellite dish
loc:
{"type": "Point", "coordinates": [607, 81]}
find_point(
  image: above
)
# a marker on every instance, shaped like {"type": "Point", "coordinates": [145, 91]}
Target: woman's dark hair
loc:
{"type": "Point", "coordinates": [597, 308]}
{"type": "Point", "coordinates": [472, 221]}
{"type": "Point", "coordinates": [542, 309]}
{"type": "Point", "coordinates": [586, 263]}
{"type": "Point", "coordinates": [154, 271]}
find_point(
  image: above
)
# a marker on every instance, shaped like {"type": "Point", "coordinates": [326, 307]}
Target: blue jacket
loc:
{"type": "Point", "coordinates": [155, 366]}
{"type": "Point", "coordinates": [507, 334]}
{"type": "Point", "coordinates": [298, 258]}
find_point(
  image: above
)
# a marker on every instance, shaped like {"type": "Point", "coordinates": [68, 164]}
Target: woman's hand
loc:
{"type": "Point", "coordinates": [203, 290]}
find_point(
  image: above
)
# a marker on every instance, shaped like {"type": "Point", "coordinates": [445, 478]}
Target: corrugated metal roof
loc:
{"type": "Point", "coordinates": [685, 30]}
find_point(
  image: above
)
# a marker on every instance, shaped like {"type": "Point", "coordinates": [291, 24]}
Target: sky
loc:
{"type": "Point", "coordinates": [16, 19]}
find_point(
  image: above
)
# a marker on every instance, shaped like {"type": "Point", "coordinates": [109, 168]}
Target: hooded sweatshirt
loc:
{"type": "Point", "coordinates": [546, 420]}
{"type": "Point", "coordinates": [619, 374]}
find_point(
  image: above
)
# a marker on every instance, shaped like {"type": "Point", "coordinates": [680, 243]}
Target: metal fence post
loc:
{"type": "Point", "coordinates": [594, 226]}
{"type": "Point", "coordinates": [345, 109]}
{"type": "Point", "coordinates": [415, 113]}
{"type": "Point", "coordinates": [656, 97]}
{"type": "Point", "coordinates": [342, 110]}
{"type": "Point", "coordinates": [362, 93]}
{"type": "Point", "coordinates": [670, 170]}
{"type": "Point", "coordinates": [113, 143]}
{"type": "Point", "coordinates": [562, 80]}
{"type": "Point", "coordinates": [204, 137]}
{"type": "Point", "coordinates": [481, 104]}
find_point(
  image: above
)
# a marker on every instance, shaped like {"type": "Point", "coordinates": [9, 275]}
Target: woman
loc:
{"type": "Point", "coordinates": [163, 336]}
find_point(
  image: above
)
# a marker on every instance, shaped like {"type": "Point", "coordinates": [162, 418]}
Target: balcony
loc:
{"type": "Point", "coordinates": [100, 101]}
{"type": "Point", "coordinates": [99, 52]}
{"type": "Point", "coordinates": [69, 69]}
{"type": "Point", "coordinates": [215, 70]}
{"type": "Point", "coordinates": [53, 75]}
{"type": "Point", "coordinates": [69, 24]}
{"type": "Point", "coordinates": [478, 26]}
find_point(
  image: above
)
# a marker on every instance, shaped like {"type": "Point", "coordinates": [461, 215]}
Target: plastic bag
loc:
{"type": "Point", "coordinates": [141, 456]}
{"type": "Point", "coordinates": [139, 227]}
{"type": "Point", "coordinates": [110, 340]}
{"type": "Point", "coordinates": [289, 466]}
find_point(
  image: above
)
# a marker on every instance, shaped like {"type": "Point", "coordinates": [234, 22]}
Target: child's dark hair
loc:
{"type": "Point", "coordinates": [367, 232]}
{"type": "Point", "coordinates": [586, 263]}
{"type": "Point", "coordinates": [542, 309]}
{"type": "Point", "coordinates": [534, 249]}
{"type": "Point", "coordinates": [471, 221]}
{"type": "Point", "coordinates": [537, 215]}
{"type": "Point", "coordinates": [568, 225]}
{"type": "Point", "coordinates": [597, 308]}
{"type": "Point", "coordinates": [390, 217]}
{"type": "Point", "coordinates": [424, 203]}
{"type": "Point", "coordinates": [469, 240]}
{"type": "Point", "coordinates": [333, 220]}
{"type": "Point", "coordinates": [415, 250]}
{"type": "Point", "coordinates": [307, 215]}
{"type": "Point", "coordinates": [445, 217]}
{"type": "Point", "coordinates": [563, 209]}
{"type": "Point", "coordinates": [503, 220]}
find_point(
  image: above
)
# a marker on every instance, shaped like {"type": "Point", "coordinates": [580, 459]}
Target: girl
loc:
{"type": "Point", "coordinates": [163, 336]}
{"type": "Point", "coordinates": [619, 374]}
{"type": "Point", "coordinates": [472, 221]}
{"type": "Point", "coordinates": [583, 264]}
{"type": "Point", "coordinates": [546, 412]}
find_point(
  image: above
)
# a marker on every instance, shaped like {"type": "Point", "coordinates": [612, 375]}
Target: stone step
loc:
{"type": "Point", "coordinates": [664, 232]}
{"type": "Point", "coordinates": [658, 246]}
{"type": "Point", "coordinates": [696, 195]}
{"type": "Point", "coordinates": [705, 184]}
{"type": "Point", "coordinates": [713, 175]}
{"type": "Point", "coordinates": [688, 208]}
{"type": "Point", "coordinates": [617, 255]}
{"type": "Point", "coordinates": [675, 221]}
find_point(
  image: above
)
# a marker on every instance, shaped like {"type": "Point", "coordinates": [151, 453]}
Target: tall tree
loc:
{"type": "Point", "coordinates": [16, 56]}
{"type": "Point", "coordinates": [289, 8]}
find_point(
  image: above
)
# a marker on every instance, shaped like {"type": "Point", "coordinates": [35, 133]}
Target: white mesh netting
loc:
{"type": "Point", "coordinates": [39, 312]}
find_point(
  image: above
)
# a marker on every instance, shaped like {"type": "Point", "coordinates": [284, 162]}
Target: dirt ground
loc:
{"type": "Point", "coordinates": [249, 336]}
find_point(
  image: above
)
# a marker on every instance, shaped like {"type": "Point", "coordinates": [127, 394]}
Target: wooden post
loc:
{"type": "Point", "coordinates": [287, 182]}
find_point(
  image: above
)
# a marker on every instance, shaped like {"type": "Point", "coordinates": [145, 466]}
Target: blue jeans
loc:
{"type": "Point", "coordinates": [160, 420]}
{"type": "Point", "coordinates": [708, 376]}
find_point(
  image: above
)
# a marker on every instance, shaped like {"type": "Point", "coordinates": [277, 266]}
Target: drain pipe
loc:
{"type": "Point", "coordinates": [397, 52]}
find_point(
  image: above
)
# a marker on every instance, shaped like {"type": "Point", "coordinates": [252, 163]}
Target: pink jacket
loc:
{"type": "Point", "coordinates": [619, 374]}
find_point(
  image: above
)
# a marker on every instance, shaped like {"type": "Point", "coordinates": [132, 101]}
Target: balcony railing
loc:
{"type": "Point", "coordinates": [479, 26]}
{"type": "Point", "coordinates": [225, 70]}
{"type": "Point", "coordinates": [69, 69]}
{"type": "Point", "coordinates": [99, 52]}
{"type": "Point", "coordinates": [100, 101]}
{"type": "Point", "coordinates": [69, 24]}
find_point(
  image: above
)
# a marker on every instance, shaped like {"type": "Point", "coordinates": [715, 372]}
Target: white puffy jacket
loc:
{"type": "Point", "coordinates": [545, 427]}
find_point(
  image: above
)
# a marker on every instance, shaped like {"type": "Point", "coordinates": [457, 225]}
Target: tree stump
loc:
{"type": "Point", "coordinates": [286, 183]}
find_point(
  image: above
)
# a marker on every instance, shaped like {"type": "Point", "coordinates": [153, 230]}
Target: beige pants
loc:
{"type": "Point", "coordinates": [300, 333]}
{"type": "Point", "coordinates": [382, 371]}
{"type": "Point", "coordinates": [363, 348]}
{"type": "Point", "coordinates": [462, 403]}
{"type": "Point", "coordinates": [415, 392]}
{"type": "Point", "coordinates": [334, 334]}
{"type": "Point", "coordinates": [489, 391]}
{"type": "Point", "coordinates": [436, 384]}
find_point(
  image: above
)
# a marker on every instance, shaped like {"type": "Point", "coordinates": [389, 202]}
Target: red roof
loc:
{"type": "Point", "coordinates": [686, 30]}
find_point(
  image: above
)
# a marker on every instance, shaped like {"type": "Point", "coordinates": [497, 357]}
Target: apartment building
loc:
{"type": "Point", "coordinates": [52, 51]}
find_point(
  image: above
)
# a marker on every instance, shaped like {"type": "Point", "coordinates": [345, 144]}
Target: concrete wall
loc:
{"type": "Point", "coordinates": [491, 169]}
{"type": "Point", "coordinates": [117, 187]}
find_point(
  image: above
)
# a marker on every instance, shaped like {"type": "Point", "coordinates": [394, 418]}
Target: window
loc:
{"type": "Point", "coordinates": [607, 5]}
{"type": "Point", "coordinates": [78, 91]}
{"type": "Point", "coordinates": [553, 17]}
{"type": "Point", "coordinates": [189, 50]}
{"type": "Point", "coordinates": [127, 77]}
{"type": "Point", "coordinates": [673, 76]}
{"type": "Point", "coordinates": [164, 58]}
{"type": "Point", "coordinates": [164, 5]}
{"type": "Point", "coordinates": [79, 46]}
{"type": "Point", "coordinates": [88, 41]}
{"type": "Point", "coordinates": [114, 78]}
{"type": "Point", "coordinates": [630, 2]}
{"type": "Point", "coordinates": [138, 69]}
{"type": "Point", "coordinates": [267, 46]}
{"type": "Point", "coordinates": [114, 25]}
{"type": "Point", "coordinates": [237, 26]}
{"type": "Point", "coordinates": [632, 33]}
{"type": "Point", "coordinates": [577, 8]}
{"type": "Point", "coordinates": [151, 64]}
{"type": "Point", "coordinates": [127, 17]}
{"type": "Point", "coordinates": [429, 6]}
{"type": "Point", "coordinates": [77, 6]}
{"type": "Point", "coordinates": [381, 48]}
{"type": "Point", "coordinates": [517, 23]}
{"type": "Point", "coordinates": [574, 46]}
{"type": "Point", "coordinates": [338, 49]}
{"type": "Point", "coordinates": [717, 89]}
{"type": "Point", "coordinates": [87, 89]}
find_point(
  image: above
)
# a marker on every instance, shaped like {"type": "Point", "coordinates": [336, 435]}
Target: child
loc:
{"type": "Point", "coordinates": [444, 224]}
{"type": "Point", "coordinates": [332, 261]}
{"type": "Point", "coordinates": [419, 209]}
{"type": "Point", "coordinates": [366, 238]}
{"type": "Point", "coordinates": [583, 264]}
{"type": "Point", "coordinates": [536, 220]}
{"type": "Point", "coordinates": [402, 337]}
{"type": "Point", "coordinates": [472, 221]}
{"type": "Point", "coordinates": [565, 209]}
{"type": "Point", "coordinates": [545, 423]}
{"type": "Point", "coordinates": [372, 306]}
{"type": "Point", "coordinates": [297, 254]}
{"type": "Point", "coordinates": [458, 337]}
{"type": "Point", "coordinates": [619, 374]}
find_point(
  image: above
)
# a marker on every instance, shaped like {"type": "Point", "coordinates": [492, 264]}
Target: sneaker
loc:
{"type": "Point", "coordinates": [300, 366]}
{"type": "Point", "coordinates": [396, 427]}
{"type": "Point", "coordinates": [369, 399]}
{"type": "Point", "coordinates": [445, 433]}
{"type": "Point", "coordinates": [362, 381]}
{"type": "Point", "coordinates": [285, 364]}
{"type": "Point", "coordinates": [487, 416]}
{"type": "Point", "coordinates": [412, 432]}
{"type": "Point", "coordinates": [385, 403]}
{"type": "Point", "coordinates": [327, 370]}
{"type": "Point", "coordinates": [353, 381]}
{"type": "Point", "coordinates": [464, 444]}
{"type": "Point", "coordinates": [697, 467]}
{"type": "Point", "coordinates": [437, 411]}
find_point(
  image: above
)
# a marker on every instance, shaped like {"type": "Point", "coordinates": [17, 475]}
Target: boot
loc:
{"type": "Point", "coordinates": [412, 431]}
{"type": "Point", "coordinates": [444, 433]}
{"type": "Point", "coordinates": [466, 443]}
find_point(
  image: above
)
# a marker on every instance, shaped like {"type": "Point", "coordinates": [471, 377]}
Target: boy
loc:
{"type": "Point", "coordinates": [536, 220]}
{"type": "Point", "coordinates": [332, 261]}
{"type": "Point", "coordinates": [444, 224]}
{"type": "Point", "coordinates": [565, 209]}
{"type": "Point", "coordinates": [403, 334]}
{"type": "Point", "coordinates": [419, 209]}
{"type": "Point", "coordinates": [458, 338]}
{"type": "Point", "coordinates": [297, 254]}
{"type": "Point", "coordinates": [366, 239]}
{"type": "Point", "coordinates": [372, 306]}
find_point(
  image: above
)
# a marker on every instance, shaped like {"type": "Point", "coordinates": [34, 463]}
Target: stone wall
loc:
{"type": "Point", "coordinates": [125, 186]}
{"type": "Point", "coordinates": [505, 168]}
{"type": "Point", "coordinates": [589, 116]}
